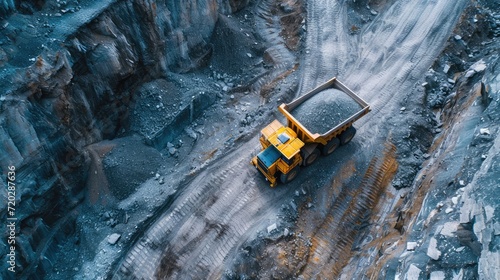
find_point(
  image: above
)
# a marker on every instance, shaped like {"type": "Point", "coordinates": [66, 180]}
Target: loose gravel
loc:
{"type": "Point", "coordinates": [325, 110]}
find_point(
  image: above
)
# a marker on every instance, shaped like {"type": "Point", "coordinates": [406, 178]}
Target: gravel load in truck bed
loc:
{"type": "Point", "coordinates": [325, 110]}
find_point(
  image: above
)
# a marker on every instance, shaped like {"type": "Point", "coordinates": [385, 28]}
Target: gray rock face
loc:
{"type": "Point", "coordinates": [478, 203]}
{"type": "Point", "coordinates": [462, 243]}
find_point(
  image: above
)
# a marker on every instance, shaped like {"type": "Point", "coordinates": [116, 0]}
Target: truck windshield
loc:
{"type": "Point", "coordinates": [288, 161]}
{"type": "Point", "coordinates": [269, 156]}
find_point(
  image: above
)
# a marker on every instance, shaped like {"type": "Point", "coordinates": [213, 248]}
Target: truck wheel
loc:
{"type": "Point", "coordinates": [347, 135]}
{"type": "Point", "coordinates": [330, 146]}
{"type": "Point", "coordinates": [288, 177]}
{"type": "Point", "coordinates": [311, 157]}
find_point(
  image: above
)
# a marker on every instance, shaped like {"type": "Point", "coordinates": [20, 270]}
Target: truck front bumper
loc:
{"type": "Point", "coordinates": [272, 180]}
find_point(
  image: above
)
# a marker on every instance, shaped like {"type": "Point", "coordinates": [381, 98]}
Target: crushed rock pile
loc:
{"type": "Point", "coordinates": [325, 110]}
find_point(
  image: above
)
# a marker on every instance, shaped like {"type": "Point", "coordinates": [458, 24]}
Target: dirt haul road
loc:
{"type": "Point", "coordinates": [225, 205]}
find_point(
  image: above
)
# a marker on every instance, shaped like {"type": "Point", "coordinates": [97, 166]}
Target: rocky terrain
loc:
{"type": "Point", "coordinates": [131, 125]}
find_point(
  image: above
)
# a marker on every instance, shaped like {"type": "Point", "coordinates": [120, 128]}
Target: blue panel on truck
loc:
{"type": "Point", "coordinates": [269, 156]}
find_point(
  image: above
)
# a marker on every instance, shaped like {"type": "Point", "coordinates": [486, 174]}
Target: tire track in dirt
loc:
{"type": "Point", "coordinates": [327, 46]}
{"type": "Point", "coordinates": [147, 252]}
{"type": "Point", "coordinates": [334, 237]}
{"type": "Point", "coordinates": [393, 52]}
{"type": "Point", "coordinates": [398, 47]}
{"type": "Point", "coordinates": [213, 216]}
{"type": "Point", "coordinates": [201, 252]}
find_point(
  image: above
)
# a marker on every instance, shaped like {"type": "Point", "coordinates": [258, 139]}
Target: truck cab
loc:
{"type": "Point", "coordinates": [280, 155]}
{"type": "Point", "coordinates": [317, 123]}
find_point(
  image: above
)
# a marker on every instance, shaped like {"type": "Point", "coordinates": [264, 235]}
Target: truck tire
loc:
{"type": "Point", "coordinates": [330, 146]}
{"type": "Point", "coordinates": [346, 136]}
{"type": "Point", "coordinates": [311, 157]}
{"type": "Point", "coordinates": [292, 174]}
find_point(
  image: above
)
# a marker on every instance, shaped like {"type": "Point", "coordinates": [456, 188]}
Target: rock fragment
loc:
{"type": "Point", "coordinates": [446, 68]}
{"type": "Point", "coordinates": [191, 133]}
{"type": "Point", "coordinates": [484, 131]}
{"type": "Point", "coordinates": [113, 238]}
{"type": "Point", "coordinates": [410, 246]}
{"type": "Point", "coordinates": [271, 228]}
{"type": "Point", "coordinates": [449, 229]}
{"type": "Point", "coordinates": [432, 250]}
{"type": "Point", "coordinates": [413, 272]}
{"type": "Point", "coordinates": [437, 275]}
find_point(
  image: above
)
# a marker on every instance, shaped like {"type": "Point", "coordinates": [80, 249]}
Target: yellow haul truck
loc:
{"type": "Point", "coordinates": [317, 123]}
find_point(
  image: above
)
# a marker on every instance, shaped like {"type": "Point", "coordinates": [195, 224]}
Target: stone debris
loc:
{"type": "Point", "coordinates": [484, 131]}
{"type": "Point", "coordinates": [410, 246]}
{"type": "Point", "coordinates": [432, 250]}
{"type": "Point", "coordinates": [437, 275]}
{"type": "Point", "coordinates": [413, 273]}
{"type": "Point", "coordinates": [460, 249]}
{"type": "Point", "coordinates": [191, 133]}
{"type": "Point", "coordinates": [470, 73]}
{"type": "Point", "coordinates": [449, 229]}
{"type": "Point", "coordinates": [477, 67]}
{"type": "Point", "coordinates": [446, 68]}
{"type": "Point", "coordinates": [271, 228]}
{"type": "Point", "coordinates": [113, 238]}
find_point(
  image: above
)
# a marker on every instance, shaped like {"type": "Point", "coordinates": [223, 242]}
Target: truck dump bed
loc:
{"type": "Point", "coordinates": [324, 112]}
